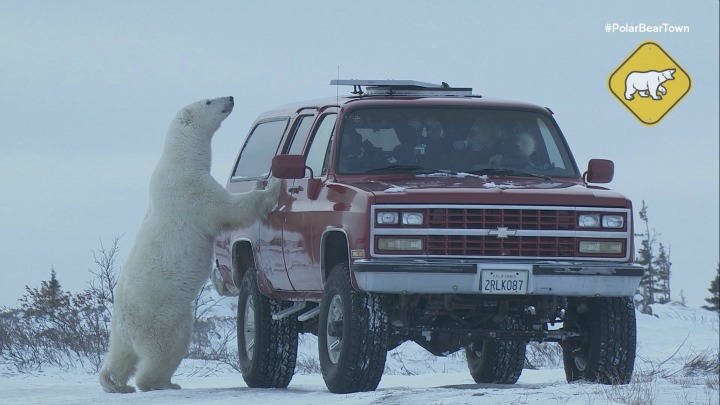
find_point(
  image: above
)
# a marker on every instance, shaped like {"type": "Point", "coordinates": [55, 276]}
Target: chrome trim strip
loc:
{"type": "Point", "coordinates": [486, 232]}
{"type": "Point", "coordinates": [492, 207]}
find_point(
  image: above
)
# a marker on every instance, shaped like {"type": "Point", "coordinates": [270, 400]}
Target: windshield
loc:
{"type": "Point", "coordinates": [452, 140]}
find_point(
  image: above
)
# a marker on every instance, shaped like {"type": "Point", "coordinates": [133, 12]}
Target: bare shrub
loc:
{"type": "Point", "coordinates": [307, 364]}
{"type": "Point", "coordinates": [401, 364]}
{"type": "Point", "coordinates": [215, 339]}
{"type": "Point", "coordinates": [642, 390]}
{"type": "Point", "coordinates": [57, 328]}
{"type": "Point", "coordinates": [704, 363]}
{"type": "Point", "coordinates": [102, 285]}
{"type": "Point", "coordinates": [543, 355]}
{"type": "Point", "coordinates": [60, 328]}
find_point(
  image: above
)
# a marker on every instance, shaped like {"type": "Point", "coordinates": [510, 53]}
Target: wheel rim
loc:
{"type": "Point", "coordinates": [477, 349]}
{"type": "Point", "coordinates": [249, 326]}
{"type": "Point", "coordinates": [335, 317]}
{"type": "Point", "coordinates": [580, 360]}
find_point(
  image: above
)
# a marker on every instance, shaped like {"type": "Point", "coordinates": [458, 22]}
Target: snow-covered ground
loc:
{"type": "Point", "coordinates": [667, 342]}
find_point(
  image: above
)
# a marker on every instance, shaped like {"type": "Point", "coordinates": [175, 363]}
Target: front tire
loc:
{"type": "Point", "coordinates": [352, 335]}
{"type": "Point", "coordinates": [267, 348]}
{"type": "Point", "coordinates": [497, 361]}
{"type": "Point", "coordinates": [605, 351]}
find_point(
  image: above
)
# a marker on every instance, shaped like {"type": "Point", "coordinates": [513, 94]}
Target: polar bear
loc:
{"type": "Point", "coordinates": [172, 255]}
{"type": "Point", "coordinates": [647, 83]}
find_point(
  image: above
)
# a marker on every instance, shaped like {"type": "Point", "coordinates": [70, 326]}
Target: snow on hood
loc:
{"type": "Point", "coordinates": [473, 189]}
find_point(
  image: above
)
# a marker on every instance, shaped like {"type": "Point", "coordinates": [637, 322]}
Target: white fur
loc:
{"type": "Point", "coordinates": [647, 83]}
{"type": "Point", "coordinates": [172, 255]}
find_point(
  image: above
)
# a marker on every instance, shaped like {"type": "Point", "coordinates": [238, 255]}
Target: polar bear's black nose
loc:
{"type": "Point", "coordinates": [232, 100]}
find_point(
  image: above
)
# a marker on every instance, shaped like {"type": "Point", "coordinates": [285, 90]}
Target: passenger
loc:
{"type": "Point", "coordinates": [492, 144]}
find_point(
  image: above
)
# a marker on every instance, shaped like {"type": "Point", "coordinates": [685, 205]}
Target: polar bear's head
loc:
{"type": "Point", "coordinates": [205, 116]}
{"type": "Point", "coordinates": [668, 74]}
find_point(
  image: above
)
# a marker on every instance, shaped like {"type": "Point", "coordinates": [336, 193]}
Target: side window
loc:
{"type": "Point", "coordinates": [302, 129]}
{"type": "Point", "coordinates": [318, 153]}
{"type": "Point", "coordinates": [259, 149]}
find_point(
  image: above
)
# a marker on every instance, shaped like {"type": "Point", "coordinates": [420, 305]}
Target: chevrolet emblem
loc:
{"type": "Point", "coordinates": [502, 233]}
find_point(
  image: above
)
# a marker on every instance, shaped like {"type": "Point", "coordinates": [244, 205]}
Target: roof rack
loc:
{"type": "Point", "coordinates": [402, 88]}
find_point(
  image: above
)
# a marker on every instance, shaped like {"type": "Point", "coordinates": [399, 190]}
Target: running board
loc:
{"type": "Point", "coordinates": [309, 314]}
{"type": "Point", "coordinates": [296, 307]}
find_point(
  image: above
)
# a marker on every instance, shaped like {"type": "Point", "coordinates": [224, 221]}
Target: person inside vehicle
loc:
{"type": "Point", "coordinates": [422, 142]}
{"type": "Point", "coordinates": [356, 155]}
{"type": "Point", "coordinates": [493, 145]}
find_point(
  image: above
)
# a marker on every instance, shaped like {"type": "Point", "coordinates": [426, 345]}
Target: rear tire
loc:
{"type": "Point", "coordinates": [497, 361]}
{"type": "Point", "coordinates": [267, 348]}
{"type": "Point", "coordinates": [352, 335]}
{"type": "Point", "coordinates": [605, 353]}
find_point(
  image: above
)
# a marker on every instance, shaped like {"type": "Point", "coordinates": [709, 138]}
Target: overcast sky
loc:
{"type": "Point", "coordinates": [88, 88]}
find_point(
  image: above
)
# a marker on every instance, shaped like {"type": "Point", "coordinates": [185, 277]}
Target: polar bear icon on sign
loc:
{"type": "Point", "coordinates": [647, 83]}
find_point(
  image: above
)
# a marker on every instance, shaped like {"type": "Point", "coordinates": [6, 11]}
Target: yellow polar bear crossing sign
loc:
{"type": "Point", "coordinates": [649, 83]}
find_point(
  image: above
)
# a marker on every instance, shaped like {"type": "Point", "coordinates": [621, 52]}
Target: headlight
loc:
{"type": "Point", "coordinates": [412, 218]}
{"type": "Point", "coordinates": [598, 220]}
{"type": "Point", "coordinates": [394, 218]}
{"type": "Point", "coordinates": [387, 218]}
{"type": "Point", "coordinates": [589, 220]}
{"type": "Point", "coordinates": [400, 244]}
{"type": "Point", "coordinates": [600, 247]}
{"type": "Point", "coordinates": [613, 221]}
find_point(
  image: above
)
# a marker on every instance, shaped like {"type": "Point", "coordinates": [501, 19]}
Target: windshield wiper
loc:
{"type": "Point", "coordinates": [509, 172]}
{"type": "Point", "coordinates": [402, 168]}
{"type": "Point", "coordinates": [412, 169]}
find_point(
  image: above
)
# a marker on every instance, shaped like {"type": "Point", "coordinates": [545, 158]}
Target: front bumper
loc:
{"type": "Point", "coordinates": [587, 279]}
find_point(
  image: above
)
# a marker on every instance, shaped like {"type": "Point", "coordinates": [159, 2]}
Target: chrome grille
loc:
{"type": "Point", "coordinates": [504, 232]}
{"type": "Point", "coordinates": [524, 246]}
{"type": "Point", "coordinates": [478, 218]}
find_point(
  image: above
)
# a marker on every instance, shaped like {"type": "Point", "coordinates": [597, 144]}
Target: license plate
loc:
{"type": "Point", "coordinates": [503, 281]}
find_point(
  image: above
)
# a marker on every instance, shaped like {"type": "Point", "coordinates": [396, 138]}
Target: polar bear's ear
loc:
{"type": "Point", "coordinates": [184, 117]}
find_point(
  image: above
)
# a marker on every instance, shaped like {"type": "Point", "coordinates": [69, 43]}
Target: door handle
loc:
{"type": "Point", "coordinates": [295, 189]}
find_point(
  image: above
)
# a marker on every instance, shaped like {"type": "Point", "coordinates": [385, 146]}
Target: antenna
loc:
{"type": "Point", "coordinates": [337, 88]}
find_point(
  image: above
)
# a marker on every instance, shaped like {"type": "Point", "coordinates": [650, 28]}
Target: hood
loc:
{"type": "Point", "coordinates": [489, 190]}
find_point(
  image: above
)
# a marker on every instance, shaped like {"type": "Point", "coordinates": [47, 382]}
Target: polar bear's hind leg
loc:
{"type": "Point", "coordinates": [155, 372]}
{"type": "Point", "coordinates": [161, 356]}
{"type": "Point", "coordinates": [119, 366]}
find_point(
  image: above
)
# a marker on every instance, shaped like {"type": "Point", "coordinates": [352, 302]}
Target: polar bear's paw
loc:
{"type": "Point", "coordinates": [110, 384]}
{"type": "Point", "coordinates": [273, 187]}
{"type": "Point", "coordinates": [272, 194]}
{"type": "Point", "coordinates": [157, 387]}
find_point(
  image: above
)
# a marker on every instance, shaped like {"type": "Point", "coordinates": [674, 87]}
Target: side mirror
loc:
{"type": "Point", "coordinates": [288, 166]}
{"type": "Point", "coordinates": [600, 171]}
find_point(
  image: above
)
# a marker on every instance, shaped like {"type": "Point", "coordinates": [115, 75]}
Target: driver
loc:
{"type": "Point", "coordinates": [356, 155]}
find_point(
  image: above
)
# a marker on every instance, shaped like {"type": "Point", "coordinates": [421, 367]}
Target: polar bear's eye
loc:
{"type": "Point", "coordinates": [207, 102]}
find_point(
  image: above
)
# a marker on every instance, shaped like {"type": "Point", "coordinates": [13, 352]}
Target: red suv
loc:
{"type": "Point", "coordinates": [422, 212]}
